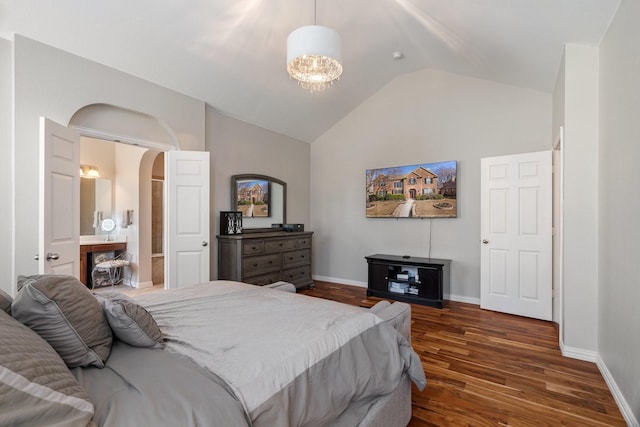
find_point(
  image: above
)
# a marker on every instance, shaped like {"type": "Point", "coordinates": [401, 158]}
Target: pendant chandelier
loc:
{"type": "Point", "coordinates": [314, 55]}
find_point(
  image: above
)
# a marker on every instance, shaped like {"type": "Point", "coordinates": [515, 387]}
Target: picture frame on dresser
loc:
{"type": "Point", "coordinates": [230, 222]}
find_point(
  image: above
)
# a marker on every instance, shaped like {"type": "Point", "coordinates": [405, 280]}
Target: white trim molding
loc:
{"type": "Point", "coordinates": [462, 298]}
{"type": "Point", "coordinates": [592, 356]}
{"type": "Point", "coordinates": [144, 285]}
{"type": "Point", "coordinates": [126, 139]}
{"type": "Point", "coordinates": [623, 405]}
{"type": "Point", "coordinates": [339, 281]}
{"type": "Point", "coordinates": [578, 353]}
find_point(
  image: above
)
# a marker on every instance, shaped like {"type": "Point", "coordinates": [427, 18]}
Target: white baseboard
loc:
{"type": "Point", "coordinates": [462, 298]}
{"type": "Point", "coordinates": [340, 281]}
{"type": "Point", "coordinates": [578, 353]}
{"type": "Point", "coordinates": [143, 285]}
{"type": "Point", "coordinates": [593, 356]}
{"type": "Point", "coordinates": [623, 405]}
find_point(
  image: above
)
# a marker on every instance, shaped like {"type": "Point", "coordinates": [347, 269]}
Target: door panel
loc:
{"type": "Point", "coordinates": [59, 217]}
{"type": "Point", "coordinates": [187, 180]}
{"type": "Point", "coordinates": [516, 234]}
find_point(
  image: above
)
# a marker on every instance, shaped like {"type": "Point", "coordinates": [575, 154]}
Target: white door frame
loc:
{"type": "Point", "coordinates": [558, 216]}
{"type": "Point", "coordinates": [125, 139]}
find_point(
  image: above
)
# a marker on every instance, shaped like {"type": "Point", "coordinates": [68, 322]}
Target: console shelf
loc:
{"type": "Point", "coordinates": [409, 279]}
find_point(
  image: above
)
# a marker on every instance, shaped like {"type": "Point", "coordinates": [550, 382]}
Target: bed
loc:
{"type": "Point", "coordinates": [233, 354]}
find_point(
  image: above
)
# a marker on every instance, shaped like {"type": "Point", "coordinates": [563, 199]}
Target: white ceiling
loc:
{"type": "Point", "coordinates": [232, 53]}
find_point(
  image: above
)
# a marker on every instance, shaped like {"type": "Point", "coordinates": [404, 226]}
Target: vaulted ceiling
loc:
{"type": "Point", "coordinates": [232, 53]}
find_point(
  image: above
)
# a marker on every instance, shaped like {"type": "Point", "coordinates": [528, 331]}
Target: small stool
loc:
{"type": "Point", "coordinates": [114, 268]}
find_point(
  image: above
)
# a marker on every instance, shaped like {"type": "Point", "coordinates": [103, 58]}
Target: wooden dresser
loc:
{"type": "Point", "coordinates": [263, 258]}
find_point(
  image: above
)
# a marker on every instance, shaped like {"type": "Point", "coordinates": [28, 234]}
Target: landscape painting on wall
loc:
{"type": "Point", "coordinates": [253, 198]}
{"type": "Point", "coordinates": [425, 190]}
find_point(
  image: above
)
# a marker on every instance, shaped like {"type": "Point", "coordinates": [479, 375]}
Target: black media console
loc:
{"type": "Point", "coordinates": [409, 279]}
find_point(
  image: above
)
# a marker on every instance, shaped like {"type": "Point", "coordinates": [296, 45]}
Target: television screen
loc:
{"type": "Point", "coordinates": [425, 190]}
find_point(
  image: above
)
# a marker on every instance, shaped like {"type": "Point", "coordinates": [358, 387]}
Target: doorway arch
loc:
{"type": "Point", "coordinates": [125, 126]}
{"type": "Point", "coordinates": [118, 124]}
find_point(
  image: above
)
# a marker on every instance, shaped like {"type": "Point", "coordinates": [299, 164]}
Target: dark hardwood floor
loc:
{"type": "Point", "coordinates": [492, 369]}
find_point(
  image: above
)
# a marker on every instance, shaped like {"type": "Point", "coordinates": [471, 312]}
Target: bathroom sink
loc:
{"type": "Point", "coordinates": [98, 240]}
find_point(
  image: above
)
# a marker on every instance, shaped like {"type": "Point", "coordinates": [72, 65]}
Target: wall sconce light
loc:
{"type": "Point", "coordinates": [87, 171]}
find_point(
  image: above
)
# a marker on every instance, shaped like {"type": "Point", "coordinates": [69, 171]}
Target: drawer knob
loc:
{"type": "Point", "coordinates": [255, 265]}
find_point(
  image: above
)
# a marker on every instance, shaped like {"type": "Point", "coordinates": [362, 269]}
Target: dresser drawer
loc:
{"type": "Point", "coordinates": [263, 279]}
{"type": "Point", "coordinates": [301, 257]}
{"type": "Point", "coordinates": [279, 245]}
{"type": "Point", "coordinates": [266, 257]}
{"type": "Point", "coordinates": [303, 242]}
{"type": "Point", "coordinates": [298, 275]}
{"type": "Point", "coordinates": [253, 247]}
{"type": "Point", "coordinates": [261, 263]}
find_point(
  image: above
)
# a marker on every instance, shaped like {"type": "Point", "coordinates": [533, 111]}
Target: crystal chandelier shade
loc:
{"type": "Point", "coordinates": [313, 57]}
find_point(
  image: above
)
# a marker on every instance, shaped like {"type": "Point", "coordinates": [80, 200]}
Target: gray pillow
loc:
{"type": "Point", "coordinates": [5, 302]}
{"type": "Point", "coordinates": [63, 312]}
{"type": "Point", "coordinates": [23, 280]}
{"type": "Point", "coordinates": [129, 321]}
{"type": "Point", "coordinates": [37, 388]}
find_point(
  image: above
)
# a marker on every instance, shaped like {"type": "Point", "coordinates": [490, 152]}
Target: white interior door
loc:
{"type": "Point", "coordinates": [516, 221]}
{"type": "Point", "coordinates": [187, 205]}
{"type": "Point", "coordinates": [59, 217]}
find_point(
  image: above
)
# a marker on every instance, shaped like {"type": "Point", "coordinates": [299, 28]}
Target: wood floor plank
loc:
{"type": "Point", "coordinates": [486, 368]}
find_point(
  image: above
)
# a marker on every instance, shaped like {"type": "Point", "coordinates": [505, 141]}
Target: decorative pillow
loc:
{"type": "Point", "coordinates": [23, 280]}
{"type": "Point", "coordinates": [37, 388]}
{"type": "Point", "coordinates": [129, 321]}
{"type": "Point", "coordinates": [5, 302]}
{"type": "Point", "coordinates": [63, 312]}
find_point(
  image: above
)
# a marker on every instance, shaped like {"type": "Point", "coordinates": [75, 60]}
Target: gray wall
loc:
{"type": "Point", "coordinates": [619, 204]}
{"type": "Point", "coordinates": [56, 84]}
{"type": "Point", "coordinates": [237, 147]}
{"type": "Point", "coordinates": [6, 105]}
{"type": "Point", "coordinates": [577, 98]}
{"type": "Point", "coordinates": [423, 117]}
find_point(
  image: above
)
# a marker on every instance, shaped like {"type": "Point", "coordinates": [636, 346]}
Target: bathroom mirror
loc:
{"type": "Point", "coordinates": [95, 204]}
{"type": "Point", "coordinates": [262, 200]}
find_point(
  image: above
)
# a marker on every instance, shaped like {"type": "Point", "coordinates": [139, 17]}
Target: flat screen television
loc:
{"type": "Point", "coordinates": [426, 190]}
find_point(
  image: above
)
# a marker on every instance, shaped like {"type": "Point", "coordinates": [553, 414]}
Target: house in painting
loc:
{"type": "Point", "coordinates": [411, 185]}
{"type": "Point", "coordinates": [252, 193]}
{"type": "Point", "coordinates": [420, 182]}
